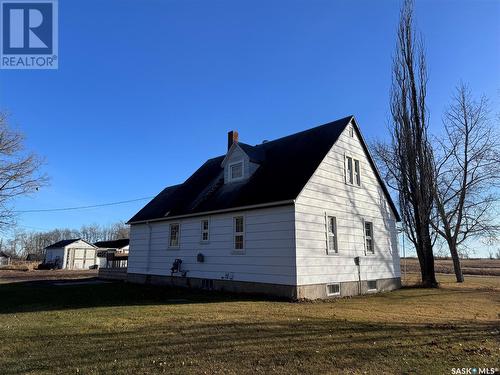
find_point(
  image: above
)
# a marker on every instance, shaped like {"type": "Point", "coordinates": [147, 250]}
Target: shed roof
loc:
{"type": "Point", "coordinates": [64, 243]}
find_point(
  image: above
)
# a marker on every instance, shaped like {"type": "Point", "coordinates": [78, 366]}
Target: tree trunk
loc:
{"type": "Point", "coordinates": [456, 262]}
{"type": "Point", "coordinates": [427, 270]}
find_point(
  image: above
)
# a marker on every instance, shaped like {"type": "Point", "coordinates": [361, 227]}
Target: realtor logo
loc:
{"type": "Point", "coordinates": [29, 34]}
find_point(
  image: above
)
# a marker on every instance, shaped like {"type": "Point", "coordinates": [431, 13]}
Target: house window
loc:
{"type": "Point", "coordinates": [236, 171]}
{"type": "Point", "coordinates": [174, 235]}
{"type": "Point", "coordinates": [372, 285]}
{"type": "Point", "coordinates": [369, 237]}
{"type": "Point", "coordinates": [333, 289]}
{"type": "Point", "coordinates": [239, 233]}
{"type": "Point", "coordinates": [352, 171]}
{"type": "Point", "coordinates": [332, 235]}
{"type": "Point", "coordinates": [357, 175]}
{"type": "Point", "coordinates": [349, 173]}
{"type": "Point", "coordinates": [351, 131]}
{"type": "Point", "coordinates": [205, 230]}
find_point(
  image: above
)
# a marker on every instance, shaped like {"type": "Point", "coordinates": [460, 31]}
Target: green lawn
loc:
{"type": "Point", "coordinates": [130, 329]}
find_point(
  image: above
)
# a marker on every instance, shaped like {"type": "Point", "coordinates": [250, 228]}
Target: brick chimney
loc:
{"type": "Point", "coordinates": [232, 137]}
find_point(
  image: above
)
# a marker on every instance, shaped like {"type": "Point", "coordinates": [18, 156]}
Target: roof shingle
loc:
{"type": "Point", "coordinates": [286, 165]}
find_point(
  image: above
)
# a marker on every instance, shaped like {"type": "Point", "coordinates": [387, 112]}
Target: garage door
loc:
{"type": "Point", "coordinates": [81, 259]}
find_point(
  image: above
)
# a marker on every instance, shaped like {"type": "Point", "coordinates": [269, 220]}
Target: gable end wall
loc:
{"type": "Point", "coordinates": [327, 192]}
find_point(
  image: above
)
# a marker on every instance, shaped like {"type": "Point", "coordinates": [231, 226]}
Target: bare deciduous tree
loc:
{"type": "Point", "coordinates": [467, 174]}
{"type": "Point", "coordinates": [23, 242]}
{"type": "Point", "coordinates": [407, 161]}
{"type": "Point", "coordinates": [19, 171]}
{"type": "Point", "coordinates": [120, 230]}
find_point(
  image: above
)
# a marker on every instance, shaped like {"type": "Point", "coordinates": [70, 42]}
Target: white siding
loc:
{"type": "Point", "coordinates": [328, 194]}
{"type": "Point", "coordinates": [269, 247]}
{"type": "Point", "coordinates": [82, 255]}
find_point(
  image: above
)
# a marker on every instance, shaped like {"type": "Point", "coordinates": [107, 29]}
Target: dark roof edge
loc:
{"type": "Point", "coordinates": [87, 242]}
{"type": "Point", "coordinates": [73, 240]}
{"type": "Point", "coordinates": [232, 209]}
{"type": "Point", "coordinates": [377, 172]}
{"type": "Point", "coordinates": [308, 130]}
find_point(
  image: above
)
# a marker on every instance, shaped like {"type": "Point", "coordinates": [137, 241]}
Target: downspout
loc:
{"type": "Point", "coordinates": [357, 262]}
{"type": "Point", "coordinates": [148, 266]}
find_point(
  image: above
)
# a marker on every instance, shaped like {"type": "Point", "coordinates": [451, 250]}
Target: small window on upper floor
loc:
{"type": "Point", "coordinates": [236, 171]}
{"type": "Point", "coordinates": [351, 131]}
{"type": "Point", "coordinates": [348, 168]}
{"type": "Point", "coordinates": [352, 171]}
{"type": "Point", "coordinates": [357, 175]}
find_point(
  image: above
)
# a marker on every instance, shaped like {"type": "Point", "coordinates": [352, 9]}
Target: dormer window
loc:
{"type": "Point", "coordinates": [241, 160]}
{"type": "Point", "coordinates": [236, 171]}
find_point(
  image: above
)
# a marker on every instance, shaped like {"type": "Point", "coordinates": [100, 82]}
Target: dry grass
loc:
{"type": "Point", "coordinates": [20, 265]}
{"type": "Point", "coordinates": [129, 329]}
{"type": "Point", "coordinates": [20, 275]}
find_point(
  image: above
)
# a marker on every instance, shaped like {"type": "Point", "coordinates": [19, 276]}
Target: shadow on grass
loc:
{"type": "Point", "coordinates": [282, 344]}
{"type": "Point", "coordinates": [33, 296]}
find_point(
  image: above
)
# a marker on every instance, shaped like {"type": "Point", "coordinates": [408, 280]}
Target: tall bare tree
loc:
{"type": "Point", "coordinates": [467, 173]}
{"type": "Point", "coordinates": [408, 160]}
{"type": "Point", "coordinates": [19, 171]}
{"type": "Point", "coordinates": [22, 242]}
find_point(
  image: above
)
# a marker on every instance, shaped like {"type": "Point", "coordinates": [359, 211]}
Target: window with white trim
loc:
{"type": "Point", "coordinates": [348, 168]}
{"type": "Point", "coordinates": [236, 171]}
{"type": "Point", "coordinates": [205, 230]}
{"type": "Point", "coordinates": [369, 237]}
{"type": "Point", "coordinates": [332, 235]}
{"type": "Point", "coordinates": [351, 131]}
{"type": "Point", "coordinates": [352, 171]}
{"type": "Point", "coordinates": [372, 285]}
{"type": "Point", "coordinates": [239, 232]}
{"type": "Point", "coordinates": [174, 235]}
{"type": "Point", "coordinates": [333, 289]}
{"type": "Point", "coordinates": [357, 174]}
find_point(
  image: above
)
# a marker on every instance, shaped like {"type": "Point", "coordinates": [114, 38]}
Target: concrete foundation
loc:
{"type": "Point", "coordinates": [348, 288]}
{"type": "Point", "coordinates": [293, 292]}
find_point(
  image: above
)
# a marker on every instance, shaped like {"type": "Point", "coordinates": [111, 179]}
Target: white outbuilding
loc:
{"type": "Point", "coordinates": [73, 254]}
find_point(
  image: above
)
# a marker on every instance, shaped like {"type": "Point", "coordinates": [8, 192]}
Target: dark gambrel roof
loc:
{"type": "Point", "coordinates": [286, 165]}
{"type": "Point", "coordinates": [113, 244]}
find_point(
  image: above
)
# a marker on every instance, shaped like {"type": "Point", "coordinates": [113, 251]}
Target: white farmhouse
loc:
{"type": "Point", "coordinates": [74, 254]}
{"type": "Point", "coordinates": [304, 216]}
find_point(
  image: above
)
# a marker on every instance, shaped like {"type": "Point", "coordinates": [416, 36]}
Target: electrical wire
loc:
{"type": "Point", "coordinates": [82, 207]}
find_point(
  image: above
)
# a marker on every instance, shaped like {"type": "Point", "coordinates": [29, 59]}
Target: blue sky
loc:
{"type": "Point", "coordinates": [147, 90]}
